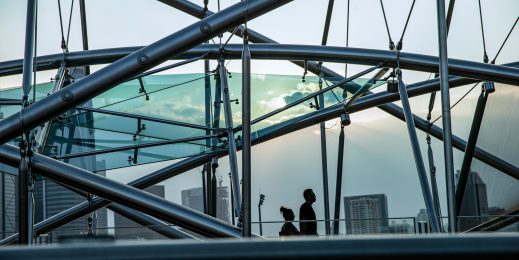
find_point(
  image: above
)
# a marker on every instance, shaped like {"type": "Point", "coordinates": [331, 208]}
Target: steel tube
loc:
{"type": "Point", "coordinates": [25, 221]}
{"type": "Point", "coordinates": [338, 183]}
{"type": "Point", "coordinates": [505, 73]}
{"type": "Point", "coordinates": [246, 142]}
{"type": "Point", "coordinates": [134, 64]}
{"type": "Point", "coordinates": [151, 223]}
{"type": "Point", "coordinates": [134, 146]}
{"type": "Point", "coordinates": [82, 209]}
{"type": "Point", "coordinates": [420, 168]}
{"type": "Point", "coordinates": [147, 118]}
{"type": "Point", "coordinates": [154, 224]}
{"type": "Point", "coordinates": [126, 195]}
{"type": "Point", "coordinates": [84, 30]}
{"type": "Point", "coordinates": [446, 115]}
{"type": "Point", "coordinates": [471, 147]}
{"type": "Point", "coordinates": [231, 142]}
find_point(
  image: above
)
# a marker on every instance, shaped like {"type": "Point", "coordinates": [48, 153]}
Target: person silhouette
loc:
{"type": "Point", "coordinates": [288, 229]}
{"type": "Point", "coordinates": [308, 224]}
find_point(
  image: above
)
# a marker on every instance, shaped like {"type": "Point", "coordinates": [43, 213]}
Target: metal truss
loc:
{"type": "Point", "coordinates": [131, 62]}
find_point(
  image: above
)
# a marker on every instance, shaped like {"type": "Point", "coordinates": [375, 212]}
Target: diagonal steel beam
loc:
{"type": "Point", "coordinates": [84, 208]}
{"type": "Point", "coordinates": [123, 194]}
{"type": "Point", "coordinates": [134, 64]}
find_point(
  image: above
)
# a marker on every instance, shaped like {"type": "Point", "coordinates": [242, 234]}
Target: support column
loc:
{"type": "Point", "coordinates": [422, 175]}
{"type": "Point", "coordinates": [246, 140]}
{"type": "Point", "coordinates": [231, 142]}
{"type": "Point", "coordinates": [345, 120]}
{"type": "Point", "coordinates": [446, 115]}
{"type": "Point", "coordinates": [25, 220]}
{"type": "Point", "coordinates": [324, 163]}
{"type": "Point", "coordinates": [487, 88]}
{"type": "Point", "coordinates": [84, 31]}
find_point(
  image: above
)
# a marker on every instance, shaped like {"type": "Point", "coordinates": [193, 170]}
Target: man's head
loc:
{"type": "Point", "coordinates": [309, 195]}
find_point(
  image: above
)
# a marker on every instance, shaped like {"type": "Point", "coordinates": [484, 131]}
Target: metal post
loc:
{"type": "Point", "coordinates": [246, 140]}
{"type": "Point", "coordinates": [446, 115]}
{"type": "Point", "coordinates": [338, 184]}
{"type": "Point", "coordinates": [25, 220]}
{"type": "Point", "coordinates": [471, 143]}
{"type": "Point", "coordinates": [324, 163]}
{"type": "Point", "coordinates": [214, 191]}
{"type": "Point", "coordinates": [231, 142]}
{"type": "Point", "coordinates": [84, 31]}
{"type": "Point", "coordinates": [133, 64]}
{"type": "Point", "coordinates": [260, 224]}
{"type": "Point", "coordinates": [232, 201]}
{"type": "Point", "coordinates": [208, 105]}
{"type": "Point", "coordinates": [422, 175]}
{"type": "Point", "coordinates": [204, 189]}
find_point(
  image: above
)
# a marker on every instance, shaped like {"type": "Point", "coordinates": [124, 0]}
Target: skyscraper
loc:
{"type": "Point", "coordinates": [474, 209]}
{"type": "Point", "coordinates": [366, 214]}
{"type": "Point", "coordinates": [128, 229]}
{"type": "Point", "coordinates": [193, 198]}
{"type": "Point", "coordinates": [8, 201]}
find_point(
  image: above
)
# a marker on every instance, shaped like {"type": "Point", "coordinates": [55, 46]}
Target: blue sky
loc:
{"type": "Point", "coordinates": [378, 157]}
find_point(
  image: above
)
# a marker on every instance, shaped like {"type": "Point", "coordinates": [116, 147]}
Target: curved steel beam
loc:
{"type": "Point", "coordinates": [506, 73]}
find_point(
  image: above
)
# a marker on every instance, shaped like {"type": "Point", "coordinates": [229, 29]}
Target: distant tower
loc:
{"type": "Point", "coordinates": [366, 214]}
{"type": "Point", "coordinates": [8, 201]}
{"type": "Point", "coordinates": [193, 198]}
{"type": "Point", "coordinates": [128, 229]}
{"type": "Point", "coordinates": [474, 209]}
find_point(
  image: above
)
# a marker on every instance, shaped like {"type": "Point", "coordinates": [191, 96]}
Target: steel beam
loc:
{"type": "Point", "coordinates": [231, 142]}
{"type": "Point", "coordinates": [338, 182]}
{"type": "Point", "coordinates": [151, 223]}
{"type": "Point", "coordinates": [147, 118]}
{"type": "Point", "coordinates": [246, 141]}
{"type": "Point", "coordinates": [25, 199]}
{"type": "Point", "coordinates": [135, 146]}
{"type": "Point", "coordinates": [505, 73]}
{"type": "Point", "coordinates": [124, 194]}
{"type": "Point", "coordinates": [84, 30]}
{"type": "Point", "coordinates": [471, 143]}
{"type": "Point", "coordinates": [420, 168]}
{"type": "Point", "coordinates": [446, 115]}
{"type": "Point", "coordinates": [84, 208]}
{"type": "Point", "coordinates": [134, 64]}
{"type": "Point", "coordinates": [322, 128]}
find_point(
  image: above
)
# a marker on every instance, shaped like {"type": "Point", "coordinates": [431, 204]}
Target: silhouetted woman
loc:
{"type": "Point", "coordinates": [288, 229]}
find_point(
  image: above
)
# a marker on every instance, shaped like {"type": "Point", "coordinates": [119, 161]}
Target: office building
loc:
{"type": "Point", "coordinates": [193, 198]}
{"type": "Point", "coordinates": [474, 209]}
{"type": "Point", "coordinates": [128, 229]}
{"type": "Point", "coordinates": [366, 214]}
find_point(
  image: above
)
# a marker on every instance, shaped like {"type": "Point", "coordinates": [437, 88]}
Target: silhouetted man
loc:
{"type": "Point", "coordinates": [306, 212]}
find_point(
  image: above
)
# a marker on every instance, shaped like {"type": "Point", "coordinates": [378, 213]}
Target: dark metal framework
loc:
{"type": "Point", "coordinates": [132, 62]}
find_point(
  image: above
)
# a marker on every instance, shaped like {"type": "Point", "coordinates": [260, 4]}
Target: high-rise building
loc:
{"type": "Point", "coordinates": [366, 214]}
{"type": "Point", "coordinates": [8, 201]}
{"type": "Point", "coordinates": [400, 227]}
{"type": "Point", "coordinates": [128, 229]}
{"type": "Point", "coordinates": [474, 209]}
{"type": "Point", "coordinates": [193, 198]}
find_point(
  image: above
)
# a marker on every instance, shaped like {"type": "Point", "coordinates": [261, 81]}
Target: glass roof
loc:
{"type": "Point", "coordinates": [156, 112]}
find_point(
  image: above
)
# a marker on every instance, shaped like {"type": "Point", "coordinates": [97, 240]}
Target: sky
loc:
{"type": "Point", "coordinates": [377, 157]}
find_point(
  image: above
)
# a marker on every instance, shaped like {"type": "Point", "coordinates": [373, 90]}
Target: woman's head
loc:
{"type": "Point", "coordinates": [288, 214]}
